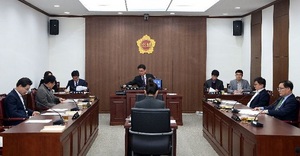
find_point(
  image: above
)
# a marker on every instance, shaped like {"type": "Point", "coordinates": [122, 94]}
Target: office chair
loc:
{"type": "Point", "coordinates": [4, 121]}
{"type": "Point", "coordinates": [150, 131]}
{"type": "Point", "coordinates": [139, 97]}
{"type": "Point", "coordinates": [297, 122]}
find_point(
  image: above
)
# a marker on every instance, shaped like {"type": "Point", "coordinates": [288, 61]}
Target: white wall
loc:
{"type": "Point", "coordinates": [23, 42]}
{"type": "Point", "coordinates": [267, 46]}
{"type": "Point", "coordinates": [225, 51]}
{"type": "Point", "coordinates": [294, 48]}
{"type": "Point", "coordinates": [67, 50]}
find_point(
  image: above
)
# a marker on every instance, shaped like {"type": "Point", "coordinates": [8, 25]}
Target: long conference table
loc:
{"type": "Point", "coordinates": [76, 138]}
{"type": "Point", "coordinates": [230, 137]}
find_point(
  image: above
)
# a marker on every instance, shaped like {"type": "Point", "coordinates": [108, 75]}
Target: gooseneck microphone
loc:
{"type": "Point", "coordinates": [233, 110]}
{"type": "Point", "coordinates": [255, 122]}
{"type": "Point", "coordinates": [58, 121]}
{"type": "Point", "coordinates": [76, 108]}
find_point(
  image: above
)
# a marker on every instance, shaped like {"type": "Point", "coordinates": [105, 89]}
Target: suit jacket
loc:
{"type": "Point", "coordinates": [261, 99]}
{"type": "Point", "coordinates": [138, 80]}
{"type": "Point", "coordinates": [150, 102]}
{"type": "Point", "coordinates": [233, 86]}
{"type": "Point", "coordinates": [55, 87]}
{"type": "Point", "coordinates": [288, 110]}
{"type": "Point", "coordinates": [219, 84]}
{"type": "Point", "coordinates": [14, 107]}
{"type": "Point", "coordinates": [45, 98]}
{"type": "Point", "coordinates": [72, 86]}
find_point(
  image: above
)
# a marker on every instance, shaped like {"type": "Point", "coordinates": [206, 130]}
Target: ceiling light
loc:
{"type": "Point", "coordinates": [146, 5]}
{"type": "Point", "coordinates": [225, 14]}
{"type": "Point", "coordinates": [67, 12]}
{"type": "Point", "coordinates": [191, 5]}
{"type": "Point", "coordinates": [104, 5]}
{"type": "Point", "coordinates": [237, 8]}
{"type": "Point", "coordinates": [172, 13]}
{"type": "Point", "coordinates": [56, 6]}
{"type": "Point", "coordinates": [120, 13]}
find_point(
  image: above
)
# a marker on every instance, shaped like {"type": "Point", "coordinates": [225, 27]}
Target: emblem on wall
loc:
{"type": "Point", "coordinates": [146, 45]}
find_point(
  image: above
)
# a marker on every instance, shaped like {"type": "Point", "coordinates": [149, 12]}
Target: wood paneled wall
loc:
{"type": "Point", "coordinates": [280, 43]}
{"type": "Point", "coordinates": [179, 56]}
{"type": "Point", "coordinates": [256, 20]}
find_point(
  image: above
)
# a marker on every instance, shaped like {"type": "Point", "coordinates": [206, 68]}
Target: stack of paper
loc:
{"type": "Point", "coordinates": [38, 121]}
{"type": "Point", "coordinates": [53, 128]}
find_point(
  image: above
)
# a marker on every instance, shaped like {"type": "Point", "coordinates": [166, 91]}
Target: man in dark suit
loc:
{"type": "Point", "coordinates": [150, 101]}
{"type": "Point", "coordinates": [141, 79]}
{"type": "Point", "coordinates": [261, 97]}
{"type": "Point", "coordinates": [14, 104]}
{"type": "Point", "coordinates": [214, 82]}
{"type": "Point", "coordinates": [77, 83]}
{"type": "Point", "coordinates": [286, 107]}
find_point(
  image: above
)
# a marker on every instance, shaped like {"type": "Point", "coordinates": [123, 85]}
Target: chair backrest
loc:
{"type": "Point", "coordinates": [2, 110]}
{"type": "Point", "coordinates": [31, 101]}
{"type": "Point", "coordinates": [139, 97]}
{"type": "Point", "coordinates": [298, 99]}
{"type": "Point", "coordinates": [150, 120]}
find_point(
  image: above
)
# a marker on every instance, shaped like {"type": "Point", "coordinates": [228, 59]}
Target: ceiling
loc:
{"type": "Point", "coordinates": [221, 8]}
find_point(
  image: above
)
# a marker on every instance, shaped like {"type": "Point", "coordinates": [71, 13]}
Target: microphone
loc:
{"type": "Point", "coordinates": [58, 121]}
{"type": "Point", "coordinates": [76, 108]}
{"type": "Point", "coordinates": [255, 122]}
{"type": "Point", "coordinates": [233, 110]}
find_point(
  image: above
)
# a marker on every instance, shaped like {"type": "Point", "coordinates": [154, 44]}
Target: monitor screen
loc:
{"type": "Point", "coordinates": [158, 83]}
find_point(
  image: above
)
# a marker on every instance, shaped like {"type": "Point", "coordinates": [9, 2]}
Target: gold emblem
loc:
{"type": "Point", "coordinates": [146, 44]}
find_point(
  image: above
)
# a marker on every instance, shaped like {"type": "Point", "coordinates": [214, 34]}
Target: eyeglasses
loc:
{"type": "Point", "coordinates": [279, 89]}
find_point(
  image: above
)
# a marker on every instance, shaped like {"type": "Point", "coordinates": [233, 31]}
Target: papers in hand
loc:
{"type": "Point", "coordinates": [53, 128]}
{"type": "Point", "coordinates": [211, 90]}
{"type": "Point", "coordinates": [38, 121]}
{"type": "Point", "coordinates": [81, 88]}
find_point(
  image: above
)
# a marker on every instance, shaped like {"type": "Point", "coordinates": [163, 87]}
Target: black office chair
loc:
{"type": "Point", "coordinates": [139, 97]}
{"type": "Point", "coordinates": [150, 131]}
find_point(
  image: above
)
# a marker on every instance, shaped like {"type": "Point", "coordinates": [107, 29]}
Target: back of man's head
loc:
{"type": "Point", "coordinates": [50, 79]}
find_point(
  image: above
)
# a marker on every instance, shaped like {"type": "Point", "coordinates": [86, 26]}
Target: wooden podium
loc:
{"type": "Point", "coordinates": [120, 106]}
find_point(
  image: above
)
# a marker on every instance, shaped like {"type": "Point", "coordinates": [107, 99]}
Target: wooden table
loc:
{"type": "Point", "coordinates": [230, 137]}
{"type": "Point", "coordinates": [76, 139]}
{"type": "Point", "coordinates": [244, 98]}
{"type": "Point", "coordinates": [127, 125]}
{"type": "Point", "coordinates": [120, 106]}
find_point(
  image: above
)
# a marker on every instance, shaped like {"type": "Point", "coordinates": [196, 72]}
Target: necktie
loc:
{"type": "Point", "coordinates": [143, 79]}
{"type": "Point", "coordinates": [279, 104]}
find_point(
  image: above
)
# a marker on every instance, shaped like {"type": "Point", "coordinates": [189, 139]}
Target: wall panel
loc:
{"type": "Point", "coordinates": [179, 57]}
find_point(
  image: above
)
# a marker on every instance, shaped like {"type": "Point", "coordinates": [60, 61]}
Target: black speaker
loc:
{"type": "Point", "coordinates": [237, 28]}
{"type": "Point", "coordinates": [54, 27]}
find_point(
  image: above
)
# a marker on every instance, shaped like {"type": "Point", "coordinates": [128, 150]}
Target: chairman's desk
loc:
{"type": "Point", "coordinates": [229, 137]}
{"type": "Point", "coordinates": [76, 139]}
{"type": "Point", "coordinates": [127, 126]}
{"type": "Point", "coordinates": [120, 106]}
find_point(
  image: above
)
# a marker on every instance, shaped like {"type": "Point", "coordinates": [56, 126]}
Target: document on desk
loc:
{"type": "Point", "coordinates": [53, 128]}
{"type": "Point", "coordinates": [52, 113]}
{"type": "Point", "coordinates": [229, 102]}
{"type": "Point", "coordinates": [70, 101]}
{"type": "Point", "coordinates": [248, 112]}
{"type": "Point", "coordinates": [38, 121]}
{"type": "Point", "coordinates": [57, 109]}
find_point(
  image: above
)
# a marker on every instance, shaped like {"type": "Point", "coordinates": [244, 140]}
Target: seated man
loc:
{"type": "Point", "coordinates": [77, 84]}
{"type": "Point", "coordinates": [239, 85]}
{"type": "Point", "coordinates": [150, 101]}
{"type": "Point", "coordinates": [214, 82]}
{"type": "Point", "coordinates": [47, 73]}
{"type": "Point", "coordinates": [141, 79]}
{"type": "Point", "coordinates": [14, 104]}
{"type": "Point", "coordinates": [286, 107]}
{"type": "Point", "coordinates": [261, 97]}
{"type": "Point", "coordinates": [44, 96]}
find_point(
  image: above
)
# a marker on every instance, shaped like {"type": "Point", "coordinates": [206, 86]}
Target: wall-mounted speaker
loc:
{"type": "Point", "coordinates": [237, 28]}
{"type": "Point", "coordinates": [54, 27]}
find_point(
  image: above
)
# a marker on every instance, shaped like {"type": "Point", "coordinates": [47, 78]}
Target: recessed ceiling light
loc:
{"type": "Point", "coordinates": [67, 12]}
{"type": "Point", "coordinates": [225, 13]}
{"type": "Point", "coordinates": [120, 13]}
{"type": "Point", "coordinates": [56, 6]}
{"type": "Point", "coordinates": [172, 13]}
{"type": "Point", "coordinates": [237, 8]}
